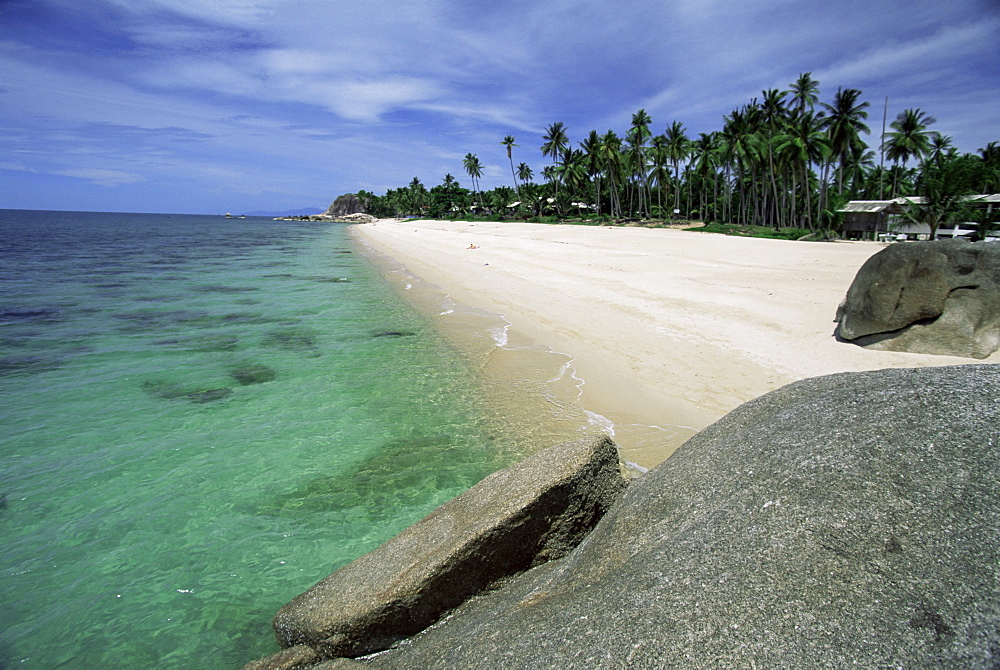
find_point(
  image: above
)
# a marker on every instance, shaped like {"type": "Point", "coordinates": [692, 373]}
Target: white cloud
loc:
{"type": "Point", "coordinates": [929, 56]}
{"type": "Point", "coordinates": [102, 177]}
{"type": "Point", "coordinates": [226, 12]}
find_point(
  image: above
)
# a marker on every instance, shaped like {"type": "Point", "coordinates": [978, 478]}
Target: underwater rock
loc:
{"type": "Point", "coordinates": [293, 658]}
{"type": "Point", "coordinates": [27, 314]}
{"type": "Point", "coordinates": [292, 339]}
{"type": "Point", "coordinates": [167, 390]}
{"type": "Point", "coordinates": [406, 473]}
{"type": "Point", "coordinates": [215, 288]}
{"type": "Point", "coordinates": [253, 373]}
{"type": "Point", "coordinates": [209, 395]}
{"type": "Point", "coordinates": [207, 343]}
{"type": "Point", "coordinates": [27, 365]}
{"type": "Point", "coordinates": [329, 280]}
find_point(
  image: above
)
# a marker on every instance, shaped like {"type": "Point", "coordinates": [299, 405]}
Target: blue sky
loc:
{"type": "Point", "coordinates": [240, 105]}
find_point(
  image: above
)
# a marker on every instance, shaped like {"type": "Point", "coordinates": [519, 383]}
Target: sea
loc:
{"type": "Point", "coordinates": [200, 417]}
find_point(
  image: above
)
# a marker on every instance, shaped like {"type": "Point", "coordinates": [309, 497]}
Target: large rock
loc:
{"type": "Point", "coordinates": [513, 520]}
{"type": "Point", "coordinates": [344, 205]}
{"type": "Point", "coordinates": [842, 521]}
{"type": "Point", "coordinates": [929, 297]}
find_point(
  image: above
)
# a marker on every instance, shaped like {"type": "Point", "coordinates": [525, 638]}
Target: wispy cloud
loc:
{"type": "Point", "coordinates": [204, 98]}
{"type": "Point", "coordinates": [102, 177]}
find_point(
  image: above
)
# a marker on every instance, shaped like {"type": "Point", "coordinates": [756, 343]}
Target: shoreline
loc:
{"type": "Point", "coordinates": [665, 328]}
{"type": "Point", "coordinates": [532, 391]}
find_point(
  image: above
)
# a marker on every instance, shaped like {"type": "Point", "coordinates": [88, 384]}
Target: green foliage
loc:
{"type": "Point", "coordinates": [779, 168]}
{"type": "Point", "coordinates": [945, 185]}
{"type": "Point", "coordinates": [754, 231]}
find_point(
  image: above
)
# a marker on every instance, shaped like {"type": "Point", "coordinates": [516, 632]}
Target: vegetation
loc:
{"type": "Point", "coordinates": [785, 163]}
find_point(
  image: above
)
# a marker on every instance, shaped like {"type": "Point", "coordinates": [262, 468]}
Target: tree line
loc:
{"type": "Point", "coordinates": [785, 159]}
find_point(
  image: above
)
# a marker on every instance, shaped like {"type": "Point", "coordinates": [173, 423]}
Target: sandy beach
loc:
{"type": "Point", "coordinates": [665, 327]}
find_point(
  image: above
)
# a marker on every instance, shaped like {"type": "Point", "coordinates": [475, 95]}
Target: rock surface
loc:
{"type": "Point", "coordinates": [842, 521]}
{"type": "Point", "coordinates": [938, 297]}
{"type": "Point", "coordinates": [514, 519]}
{"type": "Point", "coordinates": [359, 217]}
{"type": "Point", "coordinates": [344, 205]}
{"type": "Point", "coordinates": [292, 658]}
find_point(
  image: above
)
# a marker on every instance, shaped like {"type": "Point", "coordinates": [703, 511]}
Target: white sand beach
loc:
{"type": "Point", "coordinates": [664, 326]}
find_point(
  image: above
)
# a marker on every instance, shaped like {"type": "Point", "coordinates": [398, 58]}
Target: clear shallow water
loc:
{"type": "Point", "coordinates": [201, 417]}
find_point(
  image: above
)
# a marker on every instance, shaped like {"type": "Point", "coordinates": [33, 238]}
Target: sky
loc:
{"type": "Point", "coordinates": [212, 106]}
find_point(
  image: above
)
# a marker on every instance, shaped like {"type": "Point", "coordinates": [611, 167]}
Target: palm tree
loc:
{"type": "Point", "coordinates": [508, 142]}
{"type": "Point", "coordinates": [637, 138]}
{"type": "Point", "coordinates": [909, 137]}
{"type": "Point", "coordinates": [989, 179]}
{"type": "Point", "coordinates": [450, 185]}
{"type": "Point", "coordinates": [844, 126]}
{"type": "Point", "coordinates": [941, 146]}
{"type": "Point", "coordinates": [610, 150]}
{"type": "Point", "coordinates": [524, 172]}
{"type": "Point", "coordinates": [944, 186]}
{"type": "Point", "coordinates": [475, 170]}
{"type": "Point", "coordinates": [805, 92]}
{"type": "Point", "coordinates": [804, 143]}
{"type": "Point", "coordinates": [739, 139]}
{"type": "Point", "coordinates": [678, 149]}
{"type": "Point", "coordinates": [705, 152]}
{"type": "Point", "coordinates": [500, 198]}
{"type": "Point", "coordinates": [574, 173]}
{"type": "Point", "coordinates": [772, 116]}
{"type": "Point", "coordinates": [660, 173]}
{"type": "Point", "coordinates": [556, 142]}
{"type": "Point", "coordinates": [592, 152]}
{"type": "Point", "coordinates": [417, 195]}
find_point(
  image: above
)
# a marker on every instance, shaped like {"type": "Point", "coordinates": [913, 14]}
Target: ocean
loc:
{"type": "Point", "coordinates": [201, 417]}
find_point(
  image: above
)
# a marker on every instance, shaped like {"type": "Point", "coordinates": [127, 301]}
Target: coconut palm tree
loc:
{"type": "Point", "coordinates": [805, 92]}
{"type": "Point", "coordinates": [555, 144]}
{"type": "Point", "coordinates": [592, 153]}
{"type": "Point", "coordinates": [638, 134]}
{"type": "Point", "coordinates": [659, 170]}
{"type": "Point", "coordinates": [941, 146]}
{"type": "Point", "coordinates": [804, 142]}
{"type": "Point", "coordinates": [844, 126]}
{"type": "Point", "coordinates": [773, 114]}
{"type": "Point", "coordinates": [705, 154]}
{"type": "Point", "coordinates": [944, 186]}
{"type": "Point", "coordinates": [678, 148]}
{"type": "Point", "coordinates": [508, 142]}
{"type": "Point", "coordinates": [556, 141]}
{"type": "Point", "coordinates": [909, 137]}
{"type": "Point", "coordinates": [450, 185]}
{"type": "Point", "coordinates": [610, 150]}
{"type": "Point", "coordinates": [989, 178]}
{"type": "Point", "coordinates": [739, 142]}
{"type": "Point", "coordinates": [417, 196]}
{"type": "Point", "coordinates": [524, 172]}
{"type": "Point", "coordinates": [475, 170]}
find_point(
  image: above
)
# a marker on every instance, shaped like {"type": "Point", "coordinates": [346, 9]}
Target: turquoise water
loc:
{"type": "Point", "coordinates": [201, 417]}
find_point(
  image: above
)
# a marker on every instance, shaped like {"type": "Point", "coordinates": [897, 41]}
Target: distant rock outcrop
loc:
{"type": "Point", "coordinates": [842, 521]}
{"type": "Point", "coordinates": [515, 519]}
{"type": "Point", "coordinates": [344, 205]}
{"type": "Point", "coordinates": [360, 217]}
{"type": "Point", "coordinates": [938, 297]}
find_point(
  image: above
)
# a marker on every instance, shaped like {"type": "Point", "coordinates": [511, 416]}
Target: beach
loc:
{"type": "Point", "coordinates": [668, 329]}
